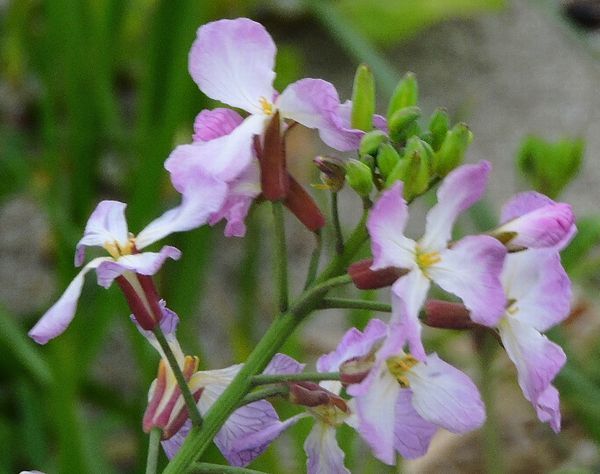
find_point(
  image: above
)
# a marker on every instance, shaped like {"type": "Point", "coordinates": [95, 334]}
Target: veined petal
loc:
{"type": "Point", "coordinates": [537, 359]}
{"type": "Point", "coordinates": [353, 344]}
{"type": "Point", "coordinates": [215, 123]}
{"type": "Point", "coordinates": [173, 444]}
{"type": "Point", "coordinates": [283, 364]}
{"type": "Point", "coordinates": [324, 455]}
{"type": "Point", "coordinates": [459, 191]}
{"type": "Point", "coordinates": [413, 434]}
{"type": "Point", "coordinates": [408, 296]}
{"type": "Point", "coordinates": [202, 197]}
{"type": "Point", "coordinates": [471, 270]}
{"type": "Point", "coordinates": [314, 103]}
{"type": "Point", "coordinates": [445, 396]}
{"type": "Point", "coordinates": [57, 318]}
{"type": "Point", "coordinates": [232, 61]}
{"type": "Point", "coordinates": [386, 224]}
{"type": "Point", "coordinates": [146, 263]}
{"type": "Point", "coordinates": [548, 408]}
{"type": "Point", "coordinates": [538, 283]}
{"type": "Point", "coordinates": [107, 224]}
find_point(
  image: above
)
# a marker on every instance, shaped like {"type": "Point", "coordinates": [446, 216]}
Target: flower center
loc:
{"type": "Point", "coordinates": [333, 413]}
{"type": "Point", "coordinates": [267, 107]}
{"type": "Point", "coordinates": [116, 250]}
{"type": "Point", "coordinates": [399, 366]}
{"type": "Point", "coordinates": [426, 259]}
{"type": "Point", "coordinates": [511, 307]}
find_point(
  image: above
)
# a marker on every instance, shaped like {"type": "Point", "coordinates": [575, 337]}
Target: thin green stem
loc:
{"type": "Point", "coordinates": [153, 450]}
{"type": "Point", "coordinates": [193, 412]}
{"type": "Point", "coordinates": [208, 468]}
{"type": "Point", "coordinates": [313, 266]}
{"type": "Point", "coordinates": [280, 257]}
{"type": "Point", "coordinates": [264, 379]}
{"type": "Point", "coordinates": [337, 228]}
{"type": "Point", "coordinates": [355, 304]}
{"type": "Point", "coordinates": [274, 391]}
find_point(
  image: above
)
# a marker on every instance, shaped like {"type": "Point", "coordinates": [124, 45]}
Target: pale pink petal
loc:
{"type": "Point", "coordinates": [232, 62]}
{"type": "Point", "coordinates": [215, 123]}
{"type": "Point", "coordinates": [445, 396]}
{"type": "Point", "coordinates": [324, 455]}
{"type": "Point", "coordinates": [354, 343]}
{"type": "Point", "coordinates": [59, 316]}
{"type": "Point", "coordinates": [537, 359]}
{"type": "Point", "coordinates": [548, 408]}
{"type": "Point", "coordinates": [345, 114]}
{"type": "Point", "coordinates": [202, 197]}
{"type": "Point", "coordinates": [386, 224]}
{"type": "Point", "coordinates": [106, 225]}
{"type": "Point", "coordinates": [147, 263]}
{"type": "Point", "coordinates": [173, 444]}
{"type": "Point", "coordinates": [538, 283]}
{"type": "Point", "coordinates": [223, 158]}
{"type": "Point", "coordinates": [283, 364]}
{"type": "Point", "coordinates": [413, 434]}
{"type": "Point", "coordinates": [408, 296]}
{"type": "Point", "coordinates": [523, 203]}
{"type": "Point", "coordinates": [471, 270]}
{"type": "Point", "coordinates": [459, 191]}
{"type": "Point", "coordinates": [314, 103]}
{"type": "Point", "coordinates": [168, 325]}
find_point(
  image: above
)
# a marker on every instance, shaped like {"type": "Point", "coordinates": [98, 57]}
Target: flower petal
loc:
{"type": "Point", "coordinates": [314, 103]}
{"type": "Point", "coordinates": [408, 296]}
{"type": "Point", "coordinates": [459, 191]}
{"type": "Point", "coordinates": [548, 408]}
{"type": "Point", "coordinates": [324, 455]}
{"type": "Point", "coordinates": [173, 444]}
{"type": "Point", "coordinates": [147, 263]}
{"type": "Point", "coordinates": [215, 123]}
{"type": "Point", "coordinates": [537, 359]}
{"type": "Point", "coordinates": [413, 434]}
{"type": "Point", "coordinates": [283, 364]}
{"type": "Point", "coordinates": [232, 61]}
{"type": "Point", "coordinates": [57, 318]}
{"type": "Point", "coordinates": [386, 224]}
{"type": "Point", "coordinates": [202, 197]}
{"type": "Point", "coordinates": [445, 396]}
{"type": "Point", "coordinates": [538, 283]}
{"type": "Point", "coordinates": [168, 325]}
{"type": "Point", "coordinates": [107, 224]}
{"type": "Point", "coordinates": [471, 270]}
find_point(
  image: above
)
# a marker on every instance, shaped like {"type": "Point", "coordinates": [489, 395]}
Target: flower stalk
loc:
{"type": "Point", "coordinates": [153, 447]}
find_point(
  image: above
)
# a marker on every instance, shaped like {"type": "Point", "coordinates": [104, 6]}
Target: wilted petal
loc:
{"type": "Point", "coordinates": [408, 296]}
{"type": "Point", "coordinates": [548, 408]}
{"type": "Point", "coordinates": [324, 455]}
{"type": "Point", "coordinates": [538, 283]}
{"type": "Point", "coordinates": [459, 191]}
{"type": "Point", "coordinates": [107, 224]}
{"type": "Point", "coordinates": [215, 123]}
{"type": "Point", "coordinates": [413, 434]}
{"type": "Point", "coordinates": [471, 270]}
{"type": "Point", "coordinates": [147, 263]}
{"type": "Point", "coordinates": [283, 364]}
{"type": "Point", "coordinates": [232, 62]}
{"type": "Point", "coordinates": [202, 197]}
{"type": "Point", "coordinates": [445, 396]}
{"type": "Point", "coordinates": [537, 359]}
{"type": "Point", "coordinates": [57, 318]}
{"type": "Point", "coordinates": [386, 224]}
{"type": "Point", "coordinates": [314, 103]}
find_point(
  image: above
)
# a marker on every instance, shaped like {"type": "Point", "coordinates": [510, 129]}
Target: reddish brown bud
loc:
{"type": "Point", "coordinates": [446, 315]}
{"type": "Point", "coordinates": [302, 205]}
{"type": "Point", "coordinates": [308, 394]}
{"type": "Point", "coordinates": [366, 279]}
{"type": "Point", "coordinates": [273, 173]}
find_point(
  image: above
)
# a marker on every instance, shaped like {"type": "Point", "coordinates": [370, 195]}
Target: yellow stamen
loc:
{"type": "Point", "coordinates": [266, 106]}
{"type": "Point", "coordinates": [399, 366]}
{"type": "Point", "coordinates": [115, 249]}
{"type": "Point", "coordinates": [426, 259]}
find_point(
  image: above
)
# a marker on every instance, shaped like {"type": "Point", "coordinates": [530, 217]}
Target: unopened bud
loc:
{"type": "Point", "coordinates": [402, 123]}
{"type": "Point", "coordinates": [370, 142]}
{"type": "Point", "coordinates": [438, 126]}
{"type": "Point", "coordinates": [308, 394]}
{"type": "Point", "coordinates": [363, 99]}
{"type": "Point", "coordinates": [366, 279]}
{"type": "Point", "coordinates": [414, 168]}
{"type": "Point", "coordinates": [387, 158]}
{"type": "Point", "coordinates": [447, 315]}
{"type": "Point", "coordinates": [406, 94]}
{"type": "Point", "coordinates": [302, 205]}
{"type": "Point", "coordinates": [453, 149]}
{"type": "Point", "coordinates": [333, 172]}
{"type": "Point", "coordinates": [359, 177]}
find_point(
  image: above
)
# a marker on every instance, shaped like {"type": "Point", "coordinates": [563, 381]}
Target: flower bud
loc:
{"type": "Point", "coordinates": [308, 394]}
{"type": "Point", "coordinates": [402, 122]}
{"type": "Point", "coordinates": [359, 177]}
{"type": "Point", "coordinates": [413, 168]}
{"type": "Point", "coordinates": [405, 95]}
{"type": "Point", "coordinates": [453, 149]}
{"type": "Point", "coordinates": [333, 172]}
{"type": "Point", "coordinates": [363, 99]}
{"type": "Point", "coordinates": [387, 158]}
{"type": "Point", "coordinates": [438, 126]}
{"type": "Point", "coordinates": [302, 205]}
{"type": "Point", "coordinates": [273, 172]}
{"type": "Point", "coordinates": [366, 279]}
{"type": "Point", "coordinates": [447, 315]}
{"type": "Point", "coordinates": [370, 142]}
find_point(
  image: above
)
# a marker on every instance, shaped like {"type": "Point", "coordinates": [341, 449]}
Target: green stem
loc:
{"type": "Point", "coordinates": [264, 379]}
{"type": "Point", "coordinates": [208, 468]}
{"type": "Point", "coordinates": [355, 304]}
{"type": "Point", "coordinates": [153, 449]}
{"type": "Point", "coordinates": [274, 391]}
{"type": "Point", "coordinates": [313, 266]}
{"type": "Point", "coordinates": [337, 228]}
{"type": "Point", "coordinates": [193, 412]}
{"type": "Point", "coordinates": [280, 256]}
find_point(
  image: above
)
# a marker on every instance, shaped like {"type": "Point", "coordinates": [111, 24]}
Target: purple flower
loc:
{"type": "Point", "coordinates": [232, 62]}
{"type": "Point", "coordinates": [401, 401]}
{"type": "Point", "coordinates": [107, 228]}
{"type": "Point", "coordinates": [469, 268]}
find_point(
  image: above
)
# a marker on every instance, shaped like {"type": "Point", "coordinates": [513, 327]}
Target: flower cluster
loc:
{"type": "Point", "coordinates": [382, 382]}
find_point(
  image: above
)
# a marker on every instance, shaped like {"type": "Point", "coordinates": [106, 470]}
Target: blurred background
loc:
{"type": "Point", "coordinates": [95, 94]}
